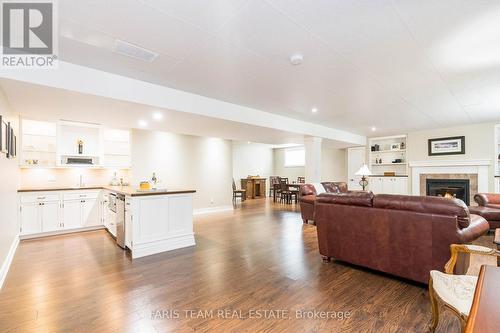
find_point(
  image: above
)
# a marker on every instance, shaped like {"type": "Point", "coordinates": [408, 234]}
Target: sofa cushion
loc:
{"type": "Point", "coordinates": [490, 214]}
{"type": "Point", "coordinates": [307, 189]}
{"type": "Point", "coordinates": [350, 198]}
{"type": "Point", "coordinates": [319, 188]}
{"type": "Point", "coordinates": [428, 205]}
{"type": "Point", "coordinates": [308, 198]}
{"type": "Point", "coordinates": [335, 187]}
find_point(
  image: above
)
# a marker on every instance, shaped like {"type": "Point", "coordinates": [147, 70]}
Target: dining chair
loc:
{"type": "Point", "coordinates": [456, 292]}
{"type": "Point", "coordinates": [301, 180]}
{"type": "Point", "coordinates": [242, 194]}
{"type": "Point", "coordinates": [285, 194]}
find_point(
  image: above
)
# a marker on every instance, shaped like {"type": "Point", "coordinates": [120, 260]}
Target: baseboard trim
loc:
{"type": "Point", "coordinates": [8, 260]}
{"type": "Point", "coordinates": [208, 210]}
{"type": "Point", "coordinates": [61, 232]}
{"type": "Point", "coordinates": [163, 245]}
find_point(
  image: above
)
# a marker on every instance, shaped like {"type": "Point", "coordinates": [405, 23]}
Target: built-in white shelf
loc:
{"type": "Point", "coordinates": [390, 148]}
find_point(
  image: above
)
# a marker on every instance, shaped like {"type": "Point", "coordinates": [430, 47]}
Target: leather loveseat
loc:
{"type": "Point", "coordinates": [489, 208]}
{"type": "Point", "coordinates": [407, 236]}
{"type": "Point", "coordinates": [308, 197]}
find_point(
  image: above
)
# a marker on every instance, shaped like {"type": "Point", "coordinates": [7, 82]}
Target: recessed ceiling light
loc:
{"type": "Point", "coordinates": [157, 116]}
{"type": "Point", "coordinates": [248, 142]}
{"type": "Point", "coordinates": [142, 123]}
{"type": "Point", "coordinates": [296, 59]}
{"type": "Point", "coordinates": [314, 110]}
{"type": "Point", "coordinates": [374, 129]}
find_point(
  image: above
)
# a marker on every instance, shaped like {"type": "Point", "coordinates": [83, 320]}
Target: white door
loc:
{"type": "Point", "coordinates": [90, 213]}
{"type": "Point", "coordinates": [49, 212]}
{"type": "Point", "coordinates": [356, 157]}
{"type": "Point", "coordinates": [72, 214]}
{"type": "Point", "coordinates": [30, 219]}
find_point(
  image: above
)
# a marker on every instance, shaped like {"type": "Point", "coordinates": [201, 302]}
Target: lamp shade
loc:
{"type": "Point", "coordinates": [363, 171]}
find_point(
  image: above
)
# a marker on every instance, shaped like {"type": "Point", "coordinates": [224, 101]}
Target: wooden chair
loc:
{"type": "Point", "coordinates": [285, 193]}
{"type": "Point", "coordinates": [301, 180]}
{"type": "Point", "coordinates": [242, 194]}
{"type": "Point", "coordinates": [455, 292]}
{"type": "Point", "coordinates": [272, 181]}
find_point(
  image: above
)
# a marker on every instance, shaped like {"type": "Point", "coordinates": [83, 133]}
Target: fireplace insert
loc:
{"type": "Point", "coordinates": [449, 188]}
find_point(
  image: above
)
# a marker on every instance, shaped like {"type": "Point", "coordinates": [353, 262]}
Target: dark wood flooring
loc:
{"type": "Point", "coordinates": [259, 257]}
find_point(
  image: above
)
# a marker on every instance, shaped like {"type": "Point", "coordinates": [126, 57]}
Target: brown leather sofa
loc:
{"type": "Point", "coordinates": [407, 236]}
{"type": "Point", "coordinates": [308, 193]}
{"type": "Point", "coordinates": [489, 208]}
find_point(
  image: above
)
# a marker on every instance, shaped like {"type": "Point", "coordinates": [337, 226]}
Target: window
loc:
{"type": "Point", "coordinates": [295, 157]}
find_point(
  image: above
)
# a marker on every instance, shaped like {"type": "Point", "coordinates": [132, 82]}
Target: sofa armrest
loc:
{"type": "Point", "coordinates": [307, 189]}
{"type": "Point", "coordinates": [487, 199]}
{"type": "Point", "coordinates": [477, 227]}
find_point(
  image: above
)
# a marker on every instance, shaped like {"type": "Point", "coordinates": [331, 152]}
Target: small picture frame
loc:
{"type": "Point", "coordinates": [454, 145]}
{"type": "Point", "coordinates": [3, 136]}
{"type": "Point", "coordinates": [395, 146]}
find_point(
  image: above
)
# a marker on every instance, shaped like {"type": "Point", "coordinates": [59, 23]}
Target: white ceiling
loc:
{"type": "Point", "coordinates": [399, 65]}
{"type": "Point", "coordinates": [51, 104]}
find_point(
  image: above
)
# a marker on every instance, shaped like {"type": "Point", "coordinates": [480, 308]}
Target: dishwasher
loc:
{"type": "Point", "coordinates": [120, 220]}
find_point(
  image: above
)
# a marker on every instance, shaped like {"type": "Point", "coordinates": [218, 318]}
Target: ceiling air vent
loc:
{"type": "Point", "coordinates": [134, 51]}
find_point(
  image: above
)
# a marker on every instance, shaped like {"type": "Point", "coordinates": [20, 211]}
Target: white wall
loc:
{"type": "Point", "coordinates": [287, 172]}
{"type": "Point", "coordinates": [333, 165]}
{"type": "Point", "coordinates": [9, 182]}
{"type": "Point", "coordinates": [185, 162]}
{"type": "Point", "coordinates": [479, 144]}
{"type": "Point", "coordinates": [251, 159]}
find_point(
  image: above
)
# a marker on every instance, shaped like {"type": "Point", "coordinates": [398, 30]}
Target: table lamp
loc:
{"type": "Point", "coordinates": [363, 172]}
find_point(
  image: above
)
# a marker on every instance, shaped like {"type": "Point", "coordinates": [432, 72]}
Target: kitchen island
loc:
{"type": "Point", "coordinates": [157, 220]}
{"type": "Point", "coordinates": [153, 221]}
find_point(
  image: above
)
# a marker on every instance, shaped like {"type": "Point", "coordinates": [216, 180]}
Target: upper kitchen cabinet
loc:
{"type": "Point", "coordinates": [70, 144]}
{"type": "Point", "coordinates": [38, 143]}
{"type": "Point", "coordinates": [78, 144]}
{"type": "Point", "coordinates": [116, 148]}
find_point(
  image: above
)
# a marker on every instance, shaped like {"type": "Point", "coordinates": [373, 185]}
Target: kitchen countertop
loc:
{"type": "Point", "coordinates": [125, 190]}
{"type": "Point", "coordinates": [388, 176]}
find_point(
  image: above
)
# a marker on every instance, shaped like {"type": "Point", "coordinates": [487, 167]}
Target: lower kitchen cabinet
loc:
{"type": "Point", "coordinates": [39, 213]}
{"type": "Point", "coordinates": [388, 185]}
{"type": "Point", "coordinates": [30, 219]}
{"type": "Point", "coordinates": [72, 214]}
{"type": "Point", "coordinates": [39, 217]}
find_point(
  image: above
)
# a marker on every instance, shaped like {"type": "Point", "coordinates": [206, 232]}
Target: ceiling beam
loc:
{"type": "Point", "coordinates": [95, 82]}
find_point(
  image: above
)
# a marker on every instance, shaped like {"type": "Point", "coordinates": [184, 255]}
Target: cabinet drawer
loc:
{"type": "Point", "coordinates": [80, 195]}
{"type": "Point", "coordinates": [39, 197]}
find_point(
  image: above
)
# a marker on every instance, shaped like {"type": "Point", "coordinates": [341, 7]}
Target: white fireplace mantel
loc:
{"type": "Point", "coordinates": [477, 167]}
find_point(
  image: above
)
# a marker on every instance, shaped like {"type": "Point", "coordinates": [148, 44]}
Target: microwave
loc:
{"type": "Point", "coordinates": [79, 160]}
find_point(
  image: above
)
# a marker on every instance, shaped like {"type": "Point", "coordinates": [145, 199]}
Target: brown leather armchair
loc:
{"type": "Point", "coordinates": [489, 208]}
{"type": "Point", "coordinates": [308, 193]}
{"type": "Point", "coordinates": [407, 236]}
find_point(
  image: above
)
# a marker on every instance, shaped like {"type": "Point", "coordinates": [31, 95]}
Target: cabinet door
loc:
{"type": "Point", "coordinates": [376, 184]}
{"type": "Point", "coordinates": [90, 212]}
{"type": "Point", "coordinates": [72, 214]}
{"type": "Point", "coordinates": [400, 185]}
{"type": "Point", "coordinates": [388, 185]}
{"type": "Point", "coordinates": [30, 219]}
{"type": "Point", "coordinates": [49, 213]}
{"type": "Point", "coordinates": [128, 224]}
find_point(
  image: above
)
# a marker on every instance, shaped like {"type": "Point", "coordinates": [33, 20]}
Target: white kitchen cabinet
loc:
{"type": "Point", "coordinates": [30, 220]}
{"type": "Point", "coordinates": [90, 212]}
{"type": "Point", "coordinates": [49, 214]}
{"type": "Point", "coordinates": [128, 223]}
{"type": "Point", "coordinates": [72, 214]}
{"type": "Point", "coordinates": [388, 185]}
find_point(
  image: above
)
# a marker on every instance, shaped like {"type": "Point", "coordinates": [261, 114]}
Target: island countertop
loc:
{"type": "Point", "coordinates": [125, 190]}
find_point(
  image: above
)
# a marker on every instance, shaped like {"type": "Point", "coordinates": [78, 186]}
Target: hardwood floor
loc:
{"type": "Point", "coordinates": [259, 257]}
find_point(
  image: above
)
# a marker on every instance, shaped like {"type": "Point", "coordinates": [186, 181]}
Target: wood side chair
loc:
{"type": "Point", "coordinates": [456, 292]}
{"type": "Point", "coordinates": [242, 194]}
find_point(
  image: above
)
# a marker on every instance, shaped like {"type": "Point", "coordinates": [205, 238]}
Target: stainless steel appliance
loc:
{"type": "Point", "coordinates": [112, 202]}
{"type": "Point", "coordinates": [120, 220]}
{"type": "Point", "coordinates": [79, 160]}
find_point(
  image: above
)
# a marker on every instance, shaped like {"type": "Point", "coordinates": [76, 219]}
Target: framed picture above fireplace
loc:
{"type": "Point", "coordinates": [454, 145]}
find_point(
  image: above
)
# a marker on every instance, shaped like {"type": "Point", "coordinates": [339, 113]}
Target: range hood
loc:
{"type": "Point", "coordinates": [79, 160]}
